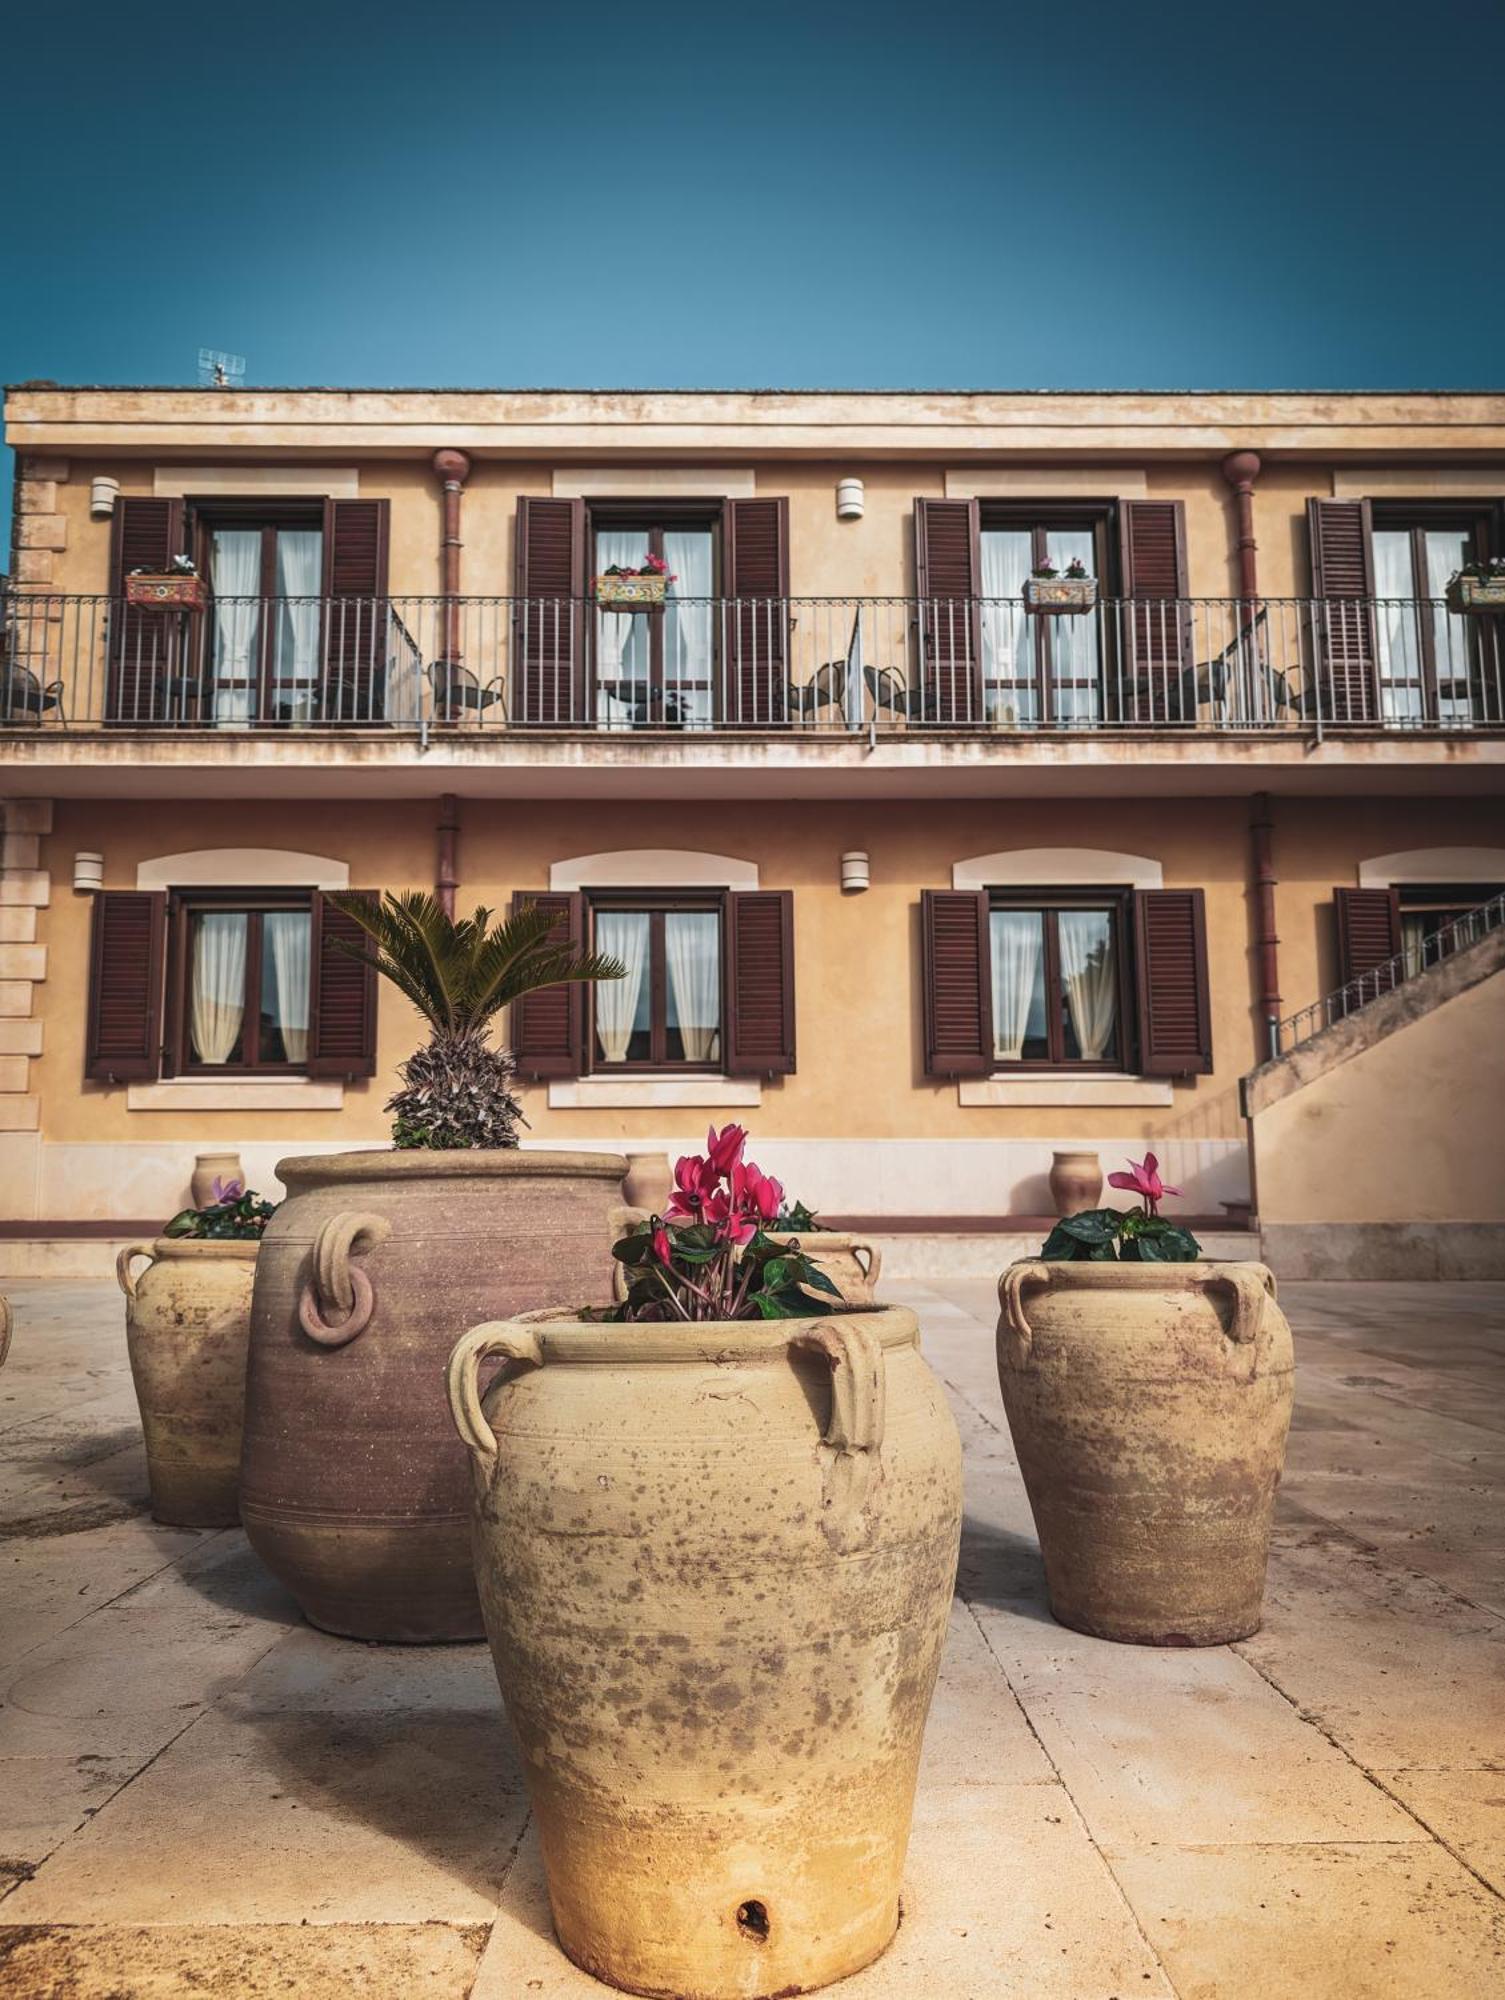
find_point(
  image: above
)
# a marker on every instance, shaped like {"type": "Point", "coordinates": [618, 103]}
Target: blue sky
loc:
{"type": "Point", "coordinates": [791, 195]}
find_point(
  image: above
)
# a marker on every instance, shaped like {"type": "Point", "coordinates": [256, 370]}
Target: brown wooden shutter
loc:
{"type": "Point", "coordinates": [548, 1028]}
{"type": "Point", "coordinates": [1155, 681]}
{"type": "Point", "coordinates": [760, 982]}
{"type": "Point", "coordinates": [956, 972]}
{"type": "Point", "coordinates": [755, 569]}
{"type": "Point", "coordinates": [551, 615]}
{"type": "Point", "coordinates": [342, 1002]}
{"type": "Point", "coordinates": [145, 646]}
{"type": "Point", "coordinates": [128, 948]}
{"type": "Point", "coordinates": [1175, 1011]}
{"type": "Point", "coordinates": [356, 637]}
{"type": "Point", "coordinates": [1368, 923]}
{"type": "Point", "coordinates": [947, 570]}
{"type": "Point", "coordinates": [1343, 637]}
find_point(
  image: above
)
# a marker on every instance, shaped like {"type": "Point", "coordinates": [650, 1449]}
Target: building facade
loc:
{"type": "Point", "coordinates": [920, 882]}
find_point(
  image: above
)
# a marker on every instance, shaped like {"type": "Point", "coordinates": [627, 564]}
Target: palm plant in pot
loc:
{"type": "Point", "coordinates": [377, 1257]}
{"type": "Point", "coordinates": [1148, 1391]}
{"type": "Point", "coordinates": [716, 1527]}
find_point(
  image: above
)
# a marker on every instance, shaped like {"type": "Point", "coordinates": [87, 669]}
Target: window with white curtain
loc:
{"type": "Point", "coordinates": [240, 981]}
{"type": "Point", "coordinates": [666, 1012]}
{"type": "Point", "coordinates": [1433, 664]}
{"type": "Point", "coordinates": [1040, 670]}
{"type": "Point", "coordinates": [1058, 980]}
{"type": "Point", "coordinates": [266, 576]}
{"type": "Point", "coordinates": [657, 668]}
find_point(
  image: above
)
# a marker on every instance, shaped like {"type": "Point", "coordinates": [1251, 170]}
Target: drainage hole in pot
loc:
{"type": "Point", "coordinates": [752, 1921]}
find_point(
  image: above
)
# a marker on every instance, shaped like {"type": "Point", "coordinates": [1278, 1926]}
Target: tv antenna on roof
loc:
{"type": "Point", "coordinates": [218, 370]}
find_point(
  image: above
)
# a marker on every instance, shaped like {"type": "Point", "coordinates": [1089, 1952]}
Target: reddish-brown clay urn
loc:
{"type": "Point", "coordinates": [354, 1487]}
{"type": "Point", "coordinates": [1149, 1405]}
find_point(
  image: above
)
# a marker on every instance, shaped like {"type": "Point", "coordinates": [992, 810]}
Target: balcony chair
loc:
{"type": "Point", "coordinates": [457, 689]}
{"type": "Point", "coordinates": [23, 697]}
{"type": "Point", "coordinates": [826, 688]}
{"type": "Point", "coordinates": [890, 695]}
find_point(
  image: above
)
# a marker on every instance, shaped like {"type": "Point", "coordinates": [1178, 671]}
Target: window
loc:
{"type": "Point", "coordinates": [657, 668]}
{"type": "Point", "coordinates": [239, 982]}
{"type": "Point", "coordinates": [1057, 967]}
{"type": "Point", "coordinates": [667, 1011]}
{"type": "Point", "coordinates": [1426, 655]}
{"type": "Point", "coordinates": [1427, 914]}
{"type": "Point", "coordinates": [266, 574]}
{"type": "Point", "coordinates": [1040, 669]}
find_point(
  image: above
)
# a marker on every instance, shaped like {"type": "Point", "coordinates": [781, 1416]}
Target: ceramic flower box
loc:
{"type": "Point", "coordinates": [1060, 596]}
{"type": "Point", "coordinates": [171, 591]}
{"type": "Point", "coordinates": [631, 593]}
{"type": "Point", "coordinates": [1477, 595]}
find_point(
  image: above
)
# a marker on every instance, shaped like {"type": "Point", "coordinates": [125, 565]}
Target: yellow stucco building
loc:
{"type": "Point", "coordinates": [920, 880]}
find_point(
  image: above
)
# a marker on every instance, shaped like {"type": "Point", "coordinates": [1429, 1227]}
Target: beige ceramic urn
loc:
{"type": "Point", "coordinates": [188, 1318]}
{"type": "Point", "coordinates": [716, 1563]}
{"type": "Point", "coordinates": [1149, 1405]}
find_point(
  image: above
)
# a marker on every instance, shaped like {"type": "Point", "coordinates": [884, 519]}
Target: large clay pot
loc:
{"type": "Point", "coordinates": [1149, 1405]}
{"type": "Point", "coordinates": [353, 1488]}
{"type": "Point", "coordinates": [1076, 1181]}
{"type": "Point", "coordinates": [716, 1563]}
{"type": "Point", "coordinates": [852, 1263]}
{"type": "Point", "coordinates": [188, 1320]}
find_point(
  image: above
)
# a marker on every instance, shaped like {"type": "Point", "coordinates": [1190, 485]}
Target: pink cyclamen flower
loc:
{"type": "Point", "coordinates": [693, 1181]}
{"type": "Point", "coordinates": [227, 1190]}
{"type": "Point", "coordinates": [663, 1250]}
{"type": "Point", "coordinates": [723, 1149]}
{"type": "Point", "coordinates": [731, 1224]}
{"type": "Point", "coordinates": [756, 1193]}
{"type": "Point", "coordinates": [1144, 1180]}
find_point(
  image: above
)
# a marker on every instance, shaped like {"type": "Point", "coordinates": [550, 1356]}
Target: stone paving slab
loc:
{"type": "Point", "coordinates": [199, 1793]}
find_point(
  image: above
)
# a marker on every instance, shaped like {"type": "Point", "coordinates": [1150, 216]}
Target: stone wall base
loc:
{"type": "Point", "coordinates": [1380, 1250]}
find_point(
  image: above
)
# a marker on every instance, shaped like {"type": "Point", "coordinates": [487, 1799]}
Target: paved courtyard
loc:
{"type": "Point", "coordinates": [200, 1794]}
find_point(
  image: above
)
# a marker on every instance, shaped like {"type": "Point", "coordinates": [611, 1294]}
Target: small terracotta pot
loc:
{"type": "Point", "coordinates": [716, 1563]}
{"type": "Point", "coordinates": [648, 1182]}
{"type": "Point", "coordinates": [1149, 1405]}
{"type": "Point", "coordinates": [1076, 1181]}
{"type": "Point", "coordinates": [210, 1167]}
{"type": "Point", "coordinates": [188, 1322]}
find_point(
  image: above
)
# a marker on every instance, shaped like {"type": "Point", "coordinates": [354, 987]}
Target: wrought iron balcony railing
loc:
{"type": "Point", "coordinates": [829, 665]}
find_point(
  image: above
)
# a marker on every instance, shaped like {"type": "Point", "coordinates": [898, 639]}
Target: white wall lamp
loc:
{"type": "Point", "coordinates": [850, 500]}
{"type": "Point", "coordinates": [854, 871]}
{"type": "Point", "coordinates": [88, 873]}
{"type": "Point", "coordinates": [103, 493]}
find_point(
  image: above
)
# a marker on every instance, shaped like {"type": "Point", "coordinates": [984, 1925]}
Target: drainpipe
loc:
{"type": "Point", "coordinates": [1241, 469]}
{"type": "Point", "coordinates": [447, 875]}
{"type": "Point", "coordinates": [1266, 942]}
{"type": "Point", "coordinates": [453, 468]}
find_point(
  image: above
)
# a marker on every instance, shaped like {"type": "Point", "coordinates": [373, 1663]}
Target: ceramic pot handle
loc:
{"type": "Point", "coordinates": [854, 1432]}
{"type": "Point", "coordinates": [1250, 1287]}
{"type": "Point", "coordinates": [6, 1323]}
{"type": "Point", "coordinates": [125, 1277]}
{"type": "Point", "coordinates": [510, 1341]}
{"type": "Point", "coordinates": [339, 1285]}
{"type": "Point", "coordinates": [1011, 1298]}
{"type": "Point", "coordinates": [862, 1248]}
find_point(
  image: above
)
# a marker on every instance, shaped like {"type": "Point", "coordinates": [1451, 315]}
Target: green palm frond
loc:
{"type": "Point", "coordinates": [460, 973]}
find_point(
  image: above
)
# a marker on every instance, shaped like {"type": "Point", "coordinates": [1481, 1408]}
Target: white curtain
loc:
{"type": "Point", "coordinates": [1090, 978]}
{"type": "Point", "coordinates": [1397, 635]}
{"type": "Point", "coordinates": [1073, 641]}
{"type": "Point", "coordinates": [1008, 652]}
{"type": "Point", "coordinates": [620, 934]}
{"type": "Point", "coordinates": [689, 628]}
{"type": "Point", "coordinates": [622, 637]}
{"type": "Point", "coordinates": [286, 938]}
{"type": "Point", "coordinates": [235, 572]}
{"type": "Point", "coordinates": [1413, 942]}
{"type": "Point", "coordinates": [692, 948]}
{"type": "Point", "coordinates": [217, 999]}
{"type": "Point", "coordinates": [1447, 551]}
{"type": "Point", "coordinates": [1018, 938]}
{"type": "Point", "coordinates": [300, 572]}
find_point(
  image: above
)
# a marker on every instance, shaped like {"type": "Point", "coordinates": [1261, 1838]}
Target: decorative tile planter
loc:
{"type": "Point", "coordinates": [1477, 596]}
{"type": "Point", "coordinates": [631, 593]}
{"type": "Point", "coordinates": [169, 592]}
{"type": "Point", "coordinates": [1060, 596]}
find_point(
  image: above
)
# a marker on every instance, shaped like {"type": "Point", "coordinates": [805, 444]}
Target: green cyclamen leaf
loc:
{"type": "Point", "coordinates": [770, 1306]}
{"type": "Point", "coordinates": [1094, 1225]}
{"type": "Point", "coordinates": [817, 1279]}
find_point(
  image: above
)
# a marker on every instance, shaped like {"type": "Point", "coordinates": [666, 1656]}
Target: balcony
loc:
{"type": "Point", "coordinates": [797, 666]}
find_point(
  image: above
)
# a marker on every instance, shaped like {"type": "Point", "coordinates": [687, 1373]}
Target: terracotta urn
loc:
{"type": "Point", "coordinates": [1149, 1406]}
{"type": "Point", "coordinates": [188, 1320]}
{"type": "Point", "coordinates": [354, 1491]}
{"type": "Point", "coordinates": [1076, 1181]}
{"type": "Point", "coordinates": [648, 1182]}
{"type": "Point", "coordinates": [716, 1563]}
